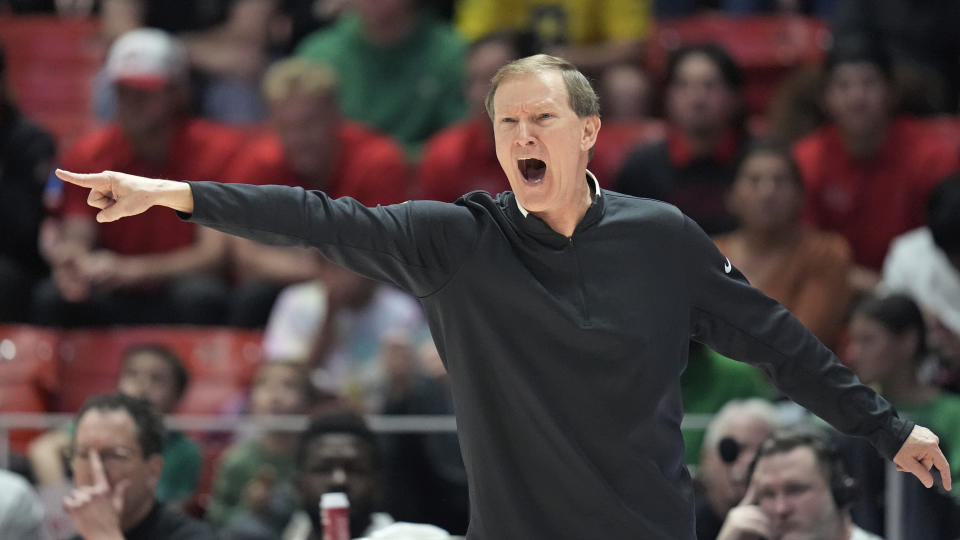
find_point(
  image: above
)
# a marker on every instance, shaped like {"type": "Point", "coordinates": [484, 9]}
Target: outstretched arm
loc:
{"type": "Point", "coordinates": [119, 195]}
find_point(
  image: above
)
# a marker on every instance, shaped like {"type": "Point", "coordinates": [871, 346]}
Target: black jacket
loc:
{"type": "Point", "coordinates": [565, 354]}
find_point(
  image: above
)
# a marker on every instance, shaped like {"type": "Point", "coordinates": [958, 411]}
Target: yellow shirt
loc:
{"type": "Point", "coordinates": [578, 22]}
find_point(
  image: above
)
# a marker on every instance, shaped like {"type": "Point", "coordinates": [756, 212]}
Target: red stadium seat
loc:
{"type": "Point", "coordinates": [766, 47]}
{"type": "Point", "coordinates": [28, 375]}
{"type": "Point", "coordinates": [51, 64]}
{"type": "Point", "coordinates": [221, 362]}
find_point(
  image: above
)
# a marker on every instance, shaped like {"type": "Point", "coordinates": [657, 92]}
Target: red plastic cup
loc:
{"type": "Point", "coordinates": [335, 516]}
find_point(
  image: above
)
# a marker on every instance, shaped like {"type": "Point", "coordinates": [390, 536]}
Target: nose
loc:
{"type": "Point", "coordinates": [339, 477]}
{"type": "Point", "coordinates": [782, 505]}
{"type": "Point", "coordinates": [525, 135]}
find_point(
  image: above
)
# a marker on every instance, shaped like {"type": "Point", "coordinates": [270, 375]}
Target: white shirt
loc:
{"type": "Point", "coordinates": [917, 267]}
{"type": "Point", "coordinates": [21, 513]}
{"type": "Point", "coordinates": [860, 534]}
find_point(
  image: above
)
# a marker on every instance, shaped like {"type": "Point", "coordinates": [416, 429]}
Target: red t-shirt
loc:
{"type": "Point", "coordinates": [870, 201]}
{"type": "Point", "coordinates": [369, 167]}
{"type": "Point", "coordinates": [201, 150]}
{"type": "Point", "coordinates": [460, 159]}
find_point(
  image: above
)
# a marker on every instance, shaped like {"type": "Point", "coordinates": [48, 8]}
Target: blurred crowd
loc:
{"type": "Point", "coordinates": [839, 196]}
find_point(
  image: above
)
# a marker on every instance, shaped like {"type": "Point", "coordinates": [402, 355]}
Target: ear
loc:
{"type": "Point", "coordinates": [591, 126]}
{"type": "Point", "coordinates": [154, 469]}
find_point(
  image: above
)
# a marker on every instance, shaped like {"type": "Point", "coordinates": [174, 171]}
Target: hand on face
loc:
{"type": "Point", "coordinates": [746, 521]}
{"type": "Point", "coordinates": [96, 509]}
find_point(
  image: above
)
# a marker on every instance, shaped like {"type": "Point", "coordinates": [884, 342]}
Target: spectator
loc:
{"type": "Point", "coordinates": [923, 41]}
{"type": "Point", "coordinates": [803, 269]}
{"type": "Point", "coordinates": [116, 461]}
{"type": "Point", "coordinates": [230, 44]}
{"type": "Point", "coordinates": [708, 383]}
{"type": "Point", "coordinates": [461, 158]}
{"type": "Point", "coordinates": [156, 374]}
{"type": "Point", "coordinates": [310, 146]}
{"type": "Point", "coordinates": [887, 345]}
{"type": "Point", "coordinates": [251, 491]}
{"type": "Point", "coordinates": [694, 167]}
{"type": "Point", "coordinates": [799, 488]}
{"type": "Point", "coordinates": [427, 480]}
{"type": "Point", "coordinates": [157, 268]}
{"type": "Point", "coordinates": [590, 35]}
{"type": "Point", "coordinates": [395, 45]}
{"type": "Point", "coordinates": [729, 446]}
{"type": "Point", "coordinates": [338, 325]}
{"type": "Point", "coordinates": [925, 264]}
{"type": "Point", "coordinates": [26, 159]}
{"type": "Point", "coordinates": [21, 512]}
{"type": "Point", "coordinates": [338, 453]}
{"type": "Point", "coordinates": [868, 172]}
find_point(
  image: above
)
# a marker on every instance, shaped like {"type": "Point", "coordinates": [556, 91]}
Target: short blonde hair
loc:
{"type": "Point", "coordinates": [299, 76]}
{"type": "Point", "coordinates": [583, 98]}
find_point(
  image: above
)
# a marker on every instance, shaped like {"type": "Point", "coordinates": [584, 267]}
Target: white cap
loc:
{"type": "Point", "coordinates": [334, 500]}
{"type": "Point", "coordinates": [147, 58]}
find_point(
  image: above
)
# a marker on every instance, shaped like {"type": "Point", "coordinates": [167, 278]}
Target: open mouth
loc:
{"type": "Point", "coordinates": [532, 169]}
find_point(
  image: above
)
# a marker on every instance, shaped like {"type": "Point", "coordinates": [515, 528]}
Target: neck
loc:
{"type": "Point", "coordinates": [153, 147]}
{"type": "Point", "coordinates": [565, 222]}
{"type": "Point", "coordinates": [867, 143]}
{"type": "Point", "coordinates": [137, 514]}
{"type": "Point", "coordinates": [845, 530]}
{"type": "Point", "coordinates": [759, 241]}
{"type": "Point", "coordinates": [702, 142]}
{"type": "Point", "coordinates": [391, 29]}
{"type": "Point", "coordinates": [278, 442]}
{"type": "Point", "coordinates": [902, 386]}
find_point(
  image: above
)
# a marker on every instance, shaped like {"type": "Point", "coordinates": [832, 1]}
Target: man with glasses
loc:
{"type": "Point", "coordinates": [116, 460]}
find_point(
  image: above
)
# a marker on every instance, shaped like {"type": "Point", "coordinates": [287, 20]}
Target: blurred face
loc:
{"type": "Point", "coordinates": [541, 143]}
{"type": "Point", "coordinates": [340, 462]}
{"type": "Point", "coordinates": [307, 128]}
{"type": "Point", "coordinates": [113, 435]}
{"type": "Point", "coordinates": [857, 98]}
{"type": "Point", "coordinates": [142, 112]}
{"type": "Point", "coordinates": [278, 389]}
{"type": "Point", "coordinates": [874, 352]}
{"type": "Point", "coordinates": [728, 482]}
{"type": "Point", "coordinates": [765, 196]}
{"type": "Point", "coordinates": [148, 376]}
{"type": "Point", "coordinates": [482, 65]}
{"type": "Point", "coordinates": [793, 493]}
{"type": "Point", "coordinates": [382, 12]}
{"type": "Point", "coordinates": [346, 288]}
{"type": "Point", "coordinates": [699, 100]}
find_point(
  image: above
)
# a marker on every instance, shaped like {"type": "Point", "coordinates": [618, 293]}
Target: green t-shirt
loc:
{"type": "Point", "coordinates": [409, 90]}
{"type": "Point", "coordinates": [942, 415]}
{"type": "Point", "coordinates": [708, 383]}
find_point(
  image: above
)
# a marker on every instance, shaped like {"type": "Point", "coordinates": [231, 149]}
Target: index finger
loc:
{"type": "Point", "coordinates": [940, 462]}
{"type": "Point", "coordinates": [751, 496]}
{"type": "Point", "coordinates": [99, 476]}
{"type": "Point", "coordinates": [83, 180]}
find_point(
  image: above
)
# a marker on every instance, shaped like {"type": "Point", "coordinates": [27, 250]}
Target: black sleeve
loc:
{"type": "Point", "coordinates": [417, 245]}
{"type": "Point", "coordinates": [739, 321]}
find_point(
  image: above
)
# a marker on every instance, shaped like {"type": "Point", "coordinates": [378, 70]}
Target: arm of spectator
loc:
{"type": "Point", "coordinates": [283, 264]}
{"type": "Point", "coordinates": [109, 270]}
{"type": "Point", "coordinates": [74, 238]}
{"type": "Point", "coordinates": [237, 48]}
{"type": "Point", "coordinates": [863, 280]}
{"type": "Point", "coordinates": [120, 16]}
{"type": "Point", "coordinates": [746, 521]}
{"type": "Point", "coordinates": [46, 457]}
{"type": "Point", "coordinates": [824, 298]}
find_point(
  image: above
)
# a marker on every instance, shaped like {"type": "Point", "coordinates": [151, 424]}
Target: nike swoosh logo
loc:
{"type": "Point", "coordinates": [727, 267]}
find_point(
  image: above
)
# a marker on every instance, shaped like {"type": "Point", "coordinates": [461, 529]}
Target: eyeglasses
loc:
{"type": "Point", "coordinates": [110, 457]}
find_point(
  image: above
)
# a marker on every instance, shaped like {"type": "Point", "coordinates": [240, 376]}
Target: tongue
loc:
{"type": "Point", "coordinates": [534, 169]}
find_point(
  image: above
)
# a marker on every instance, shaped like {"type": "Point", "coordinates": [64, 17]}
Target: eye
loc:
{"type": "Point", "coordinates": [508, 120]}
{"type": "Point", "coordinates": [545, 116]}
